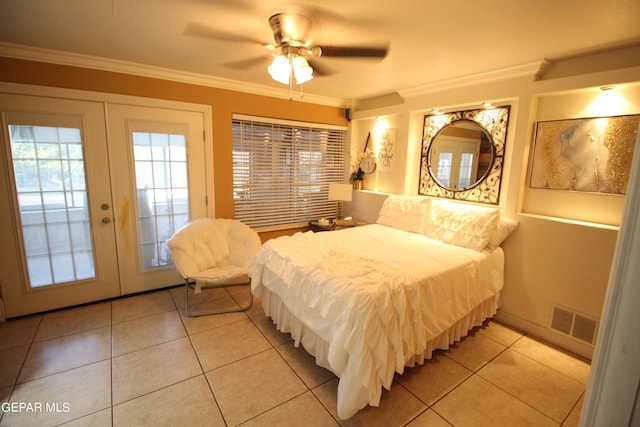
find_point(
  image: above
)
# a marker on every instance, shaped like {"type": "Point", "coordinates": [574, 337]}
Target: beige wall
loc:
{"type": "Point", "coordinates": [561, 253]}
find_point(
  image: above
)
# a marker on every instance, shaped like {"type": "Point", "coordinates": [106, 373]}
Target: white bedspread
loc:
{"type": "Point", "coordinates": [377, 295]}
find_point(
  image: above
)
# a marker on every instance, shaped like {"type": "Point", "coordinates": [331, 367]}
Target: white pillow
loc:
{"type": "Point", "coordinates": [503, 230]}
{"type": "Point", "coordinates": [408, 213]}
{"type": "Point", "coordinates": [462, 225]}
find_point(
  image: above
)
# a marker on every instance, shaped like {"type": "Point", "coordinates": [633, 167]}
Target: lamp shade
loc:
{"type": "Point", "coordinates": [284, 68]}
{"type": "Point", "coordinates": [301, 69]}
{"type": "Point", "coordinates": [280, 69]}
{"type": "Point", "coordinates": [340, 192]}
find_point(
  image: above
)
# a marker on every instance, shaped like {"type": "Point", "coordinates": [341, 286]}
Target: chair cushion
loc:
{"type": "Point", "coordinates": [227, 273]}
{"type": "Point", "coordinates": [213, 244]}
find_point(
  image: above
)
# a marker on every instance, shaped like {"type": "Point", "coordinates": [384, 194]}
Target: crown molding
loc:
{"type": "Point", "coordinates": [532, 69]}
{"type": "Point", "coordinates": [37, 54]}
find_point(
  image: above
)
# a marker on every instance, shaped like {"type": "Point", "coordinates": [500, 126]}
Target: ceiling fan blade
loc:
{"type": "Point", "coordinates": [201, 30]}
{"type": "Point", "coordinates": [320, 70]}
{"type": "Point", "coordinates": [248, 63]}
{"type": "Point", "coordinates": [353, 52]}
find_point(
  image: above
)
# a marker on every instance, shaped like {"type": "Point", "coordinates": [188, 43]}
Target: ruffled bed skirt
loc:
{"type": "Point", "coordinates": [352, 396]}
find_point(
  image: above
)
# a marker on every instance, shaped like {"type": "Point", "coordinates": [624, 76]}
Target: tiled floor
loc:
{"type": "Point", "coordinates": [139, 361]}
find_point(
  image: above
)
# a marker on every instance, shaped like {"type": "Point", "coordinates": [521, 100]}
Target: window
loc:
{"type": "Point", "coordinates": [282, 171]}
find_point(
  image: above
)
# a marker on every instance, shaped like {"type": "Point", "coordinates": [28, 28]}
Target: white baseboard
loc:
{"type": "Point", "coordinates": [556, 338]}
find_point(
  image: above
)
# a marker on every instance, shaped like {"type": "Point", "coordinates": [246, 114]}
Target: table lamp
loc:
{"type": "Point", "coordinates": [341, 193]}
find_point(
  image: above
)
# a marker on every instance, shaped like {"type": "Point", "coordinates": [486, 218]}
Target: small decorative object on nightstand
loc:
{"type": "Point", "coordinates": [321, 225]}
{"type": "Point", "coordinates": [337, 224]}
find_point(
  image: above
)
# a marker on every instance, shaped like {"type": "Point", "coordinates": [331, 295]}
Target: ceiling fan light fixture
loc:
{"type": "Point", "coordinates": [280, 69]}
{"type": "Point", "coordinates": [301, 69]}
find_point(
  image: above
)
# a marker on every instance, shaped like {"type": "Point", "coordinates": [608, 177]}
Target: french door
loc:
{"type": "Point", "coordinates": [92, 191]}
{"type": "Point", "coordinates": [457, 163]}
{"type": "Point", "coordinates": [158, 178]}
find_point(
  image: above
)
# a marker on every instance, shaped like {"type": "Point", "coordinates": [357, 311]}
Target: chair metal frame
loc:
{"type": "Point", "coordinates": [191, 283]}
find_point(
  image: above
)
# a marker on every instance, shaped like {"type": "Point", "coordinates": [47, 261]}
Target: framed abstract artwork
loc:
{"type": "Point", "coordinates": [591, 154]}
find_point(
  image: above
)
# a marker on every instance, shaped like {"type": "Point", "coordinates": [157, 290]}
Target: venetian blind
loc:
{"type": "Point", "coordinates": [282, 171]}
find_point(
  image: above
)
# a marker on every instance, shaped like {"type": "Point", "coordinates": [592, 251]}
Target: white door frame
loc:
{"type": "Point", "coordinates": [107, 98]}
{"type": "Point", "coordinates": [613, 390]}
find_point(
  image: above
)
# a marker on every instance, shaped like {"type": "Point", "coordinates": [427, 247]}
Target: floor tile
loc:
{"type": "Point", "coordinates": [545, 389]}
{"type": "Point", "coordinates": [429, 419]}
{"type": "Point", "coordinates": [188, 403]}
{"type": "Point", "coordinates": [478, 403]}
{"type": "Point", "coordinates": [500, 333]}
{"type": "Point", "coordinates": [304, 365]}
{"type": "Point", "coordinates": [304, 410]}
{"type": "Point", "coordinates": [66, 352]}
{"type": "Point", "coordinates": [270, 331]}
{"type": "Point", "coordinates": [573, 419]}
{"type": "Point", "coordinates": [74, 393]}
{"type": "Point", "coordinates": [141, 305]}
{"type": "Point", "coordinates": [18, 332]}
{"type": "Point", "coordinates": [397, 406]}
{"type": "Point", "coordinates": [11, 361]}
{"type": "Point", "coordinates": [74, 320]}
{"type": "Point", "coordinates": [144, 371]}
{"type": "Point", "coordinates": [435, 378]}
{"type": "Point", "coordinates": [193, 325]}
{"type": "Point", "coordinates": [97, 419]}
{"type": "Point", "coordinates": [241, 294]}
{"type": "Point", "coordinates": [146, 332]}
{"type": "Point", "coordinates": [141, 361]}
{"type": "Point", "coordinates": [256, 309]}
{"type": "Point", "coordinates": [5, 392]}
{"type": "Point", "coordinates": [560, 360]}
{"type": "Point", "coordinates": [253, 385]}
{"type": "Point", "coordinates": [228, 343]}
{"type": "Point", "coordinates": [474, 351]}
{"type": "Point", "coordinates": [207, 300]}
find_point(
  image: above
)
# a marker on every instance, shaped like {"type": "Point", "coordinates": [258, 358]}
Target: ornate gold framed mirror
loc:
{"type": "Point", "coordinates": [463, 154]}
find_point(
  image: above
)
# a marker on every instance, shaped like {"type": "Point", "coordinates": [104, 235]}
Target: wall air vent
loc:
{"type": "Point", "coordinates": [573, 324]}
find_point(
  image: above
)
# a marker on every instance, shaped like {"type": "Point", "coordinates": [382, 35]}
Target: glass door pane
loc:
{"type": "Point", "coordinates": [466, 167]}
{"type": "Point", "coordinates": [49, 173]}
{"type": "Point", "coordinates": [163, 194]}
{"type": "Point", "coordinates": [444, 168]}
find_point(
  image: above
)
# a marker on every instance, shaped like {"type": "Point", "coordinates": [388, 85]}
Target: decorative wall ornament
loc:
{"type": "Point", "coordinates": [463, 154]}
{"type": "Point", "coordinates": [386, 142]}
{"type": "Point", "coordinates": [591, 154]}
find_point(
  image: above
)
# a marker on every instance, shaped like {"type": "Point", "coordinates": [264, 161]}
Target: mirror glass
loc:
{"type": "Point", "coordinates": [460, 155]}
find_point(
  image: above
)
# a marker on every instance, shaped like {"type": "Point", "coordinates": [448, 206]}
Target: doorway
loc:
{"type": "Point", "coordinates": [93, 190]}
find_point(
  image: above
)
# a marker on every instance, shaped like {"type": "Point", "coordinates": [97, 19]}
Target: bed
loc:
{"type": "Point", "coordinates": [369, 300]}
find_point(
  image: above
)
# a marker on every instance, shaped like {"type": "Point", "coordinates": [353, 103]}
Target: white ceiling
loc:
{"type": "Point", "coordinates": [430, 41]}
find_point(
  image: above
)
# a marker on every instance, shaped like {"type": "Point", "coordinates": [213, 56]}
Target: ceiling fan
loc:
{"type": "Point", "coordinates": [292, 50]}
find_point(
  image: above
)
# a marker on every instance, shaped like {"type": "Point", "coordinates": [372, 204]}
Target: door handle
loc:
{"type": "Point", "coordinates": [106, 220]}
